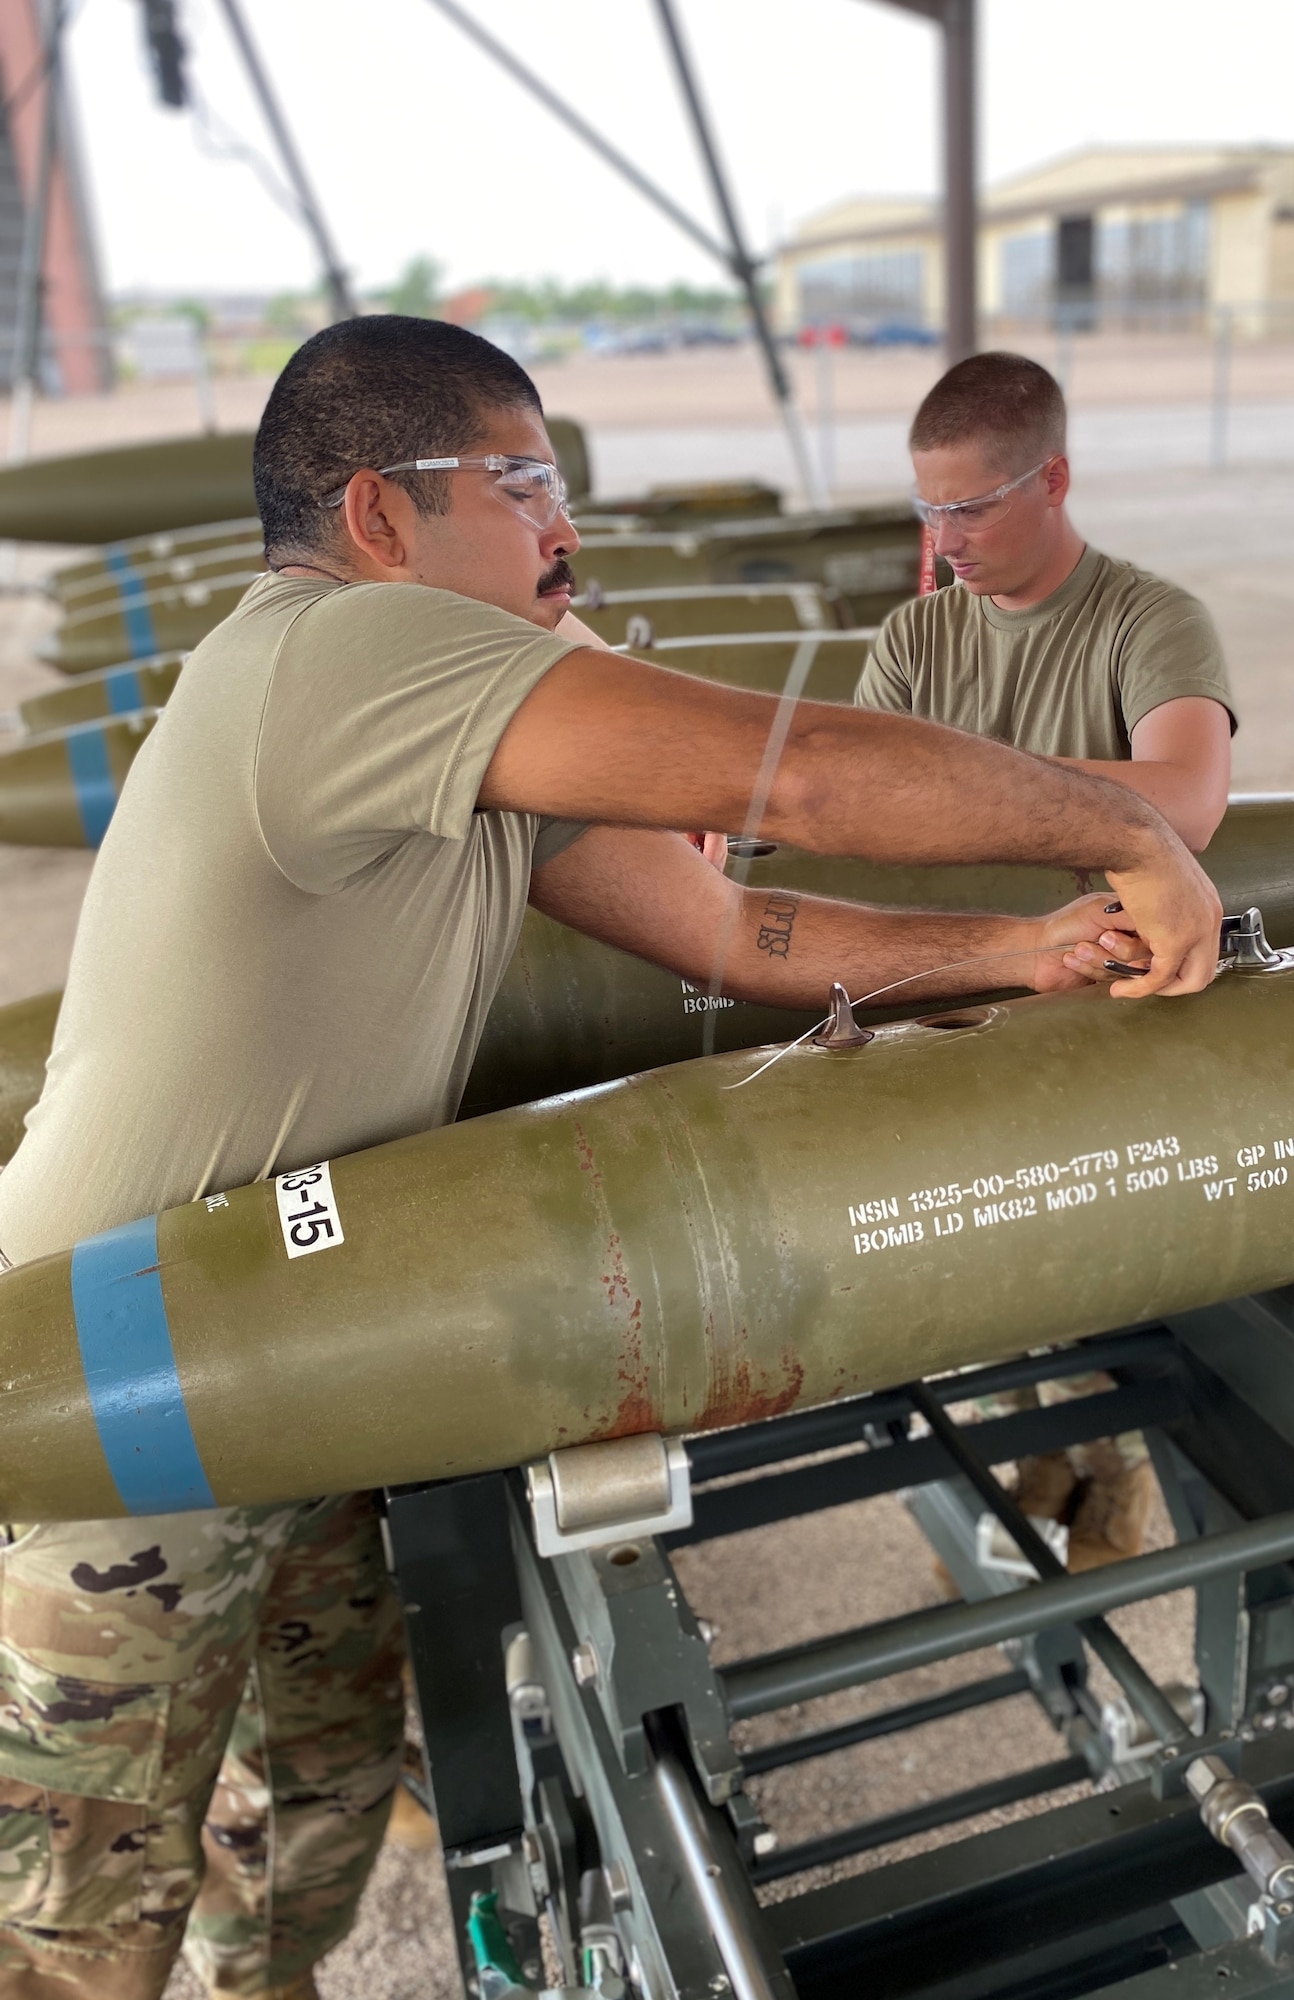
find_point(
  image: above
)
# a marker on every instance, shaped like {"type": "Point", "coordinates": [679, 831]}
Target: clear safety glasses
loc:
{"type": "Point", "coordinates": [532, 487]}
{"type": "Point", "coordinates": [984, 511]}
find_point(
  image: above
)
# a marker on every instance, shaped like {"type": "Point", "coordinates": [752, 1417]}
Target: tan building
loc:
{"type": "Point", "coordinates": [1158, 234]}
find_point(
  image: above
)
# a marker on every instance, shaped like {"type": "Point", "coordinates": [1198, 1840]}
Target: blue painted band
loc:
{"type": "Point", "coordinates": [96, 794]}
{"type": "Point", "coordinates": [130, 1372]}
{"type": "Point", "coordinates": [125, 695]}
{"type": "Point", "coordinates": [136, 611]}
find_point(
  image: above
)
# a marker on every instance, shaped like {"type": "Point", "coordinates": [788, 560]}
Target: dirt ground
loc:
{"type": "Point", "coordinates": [1227, 536]}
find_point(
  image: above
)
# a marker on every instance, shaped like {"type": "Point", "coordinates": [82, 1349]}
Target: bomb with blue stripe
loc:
{"type": "Point", "coordinates": [692, 1247]}
{"type": "Point", "coordinates": [61, 790]}
{"type": "Point", "coordinates": [118, 690]}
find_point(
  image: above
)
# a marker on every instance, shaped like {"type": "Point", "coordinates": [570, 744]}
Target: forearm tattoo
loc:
{"type": "Point", "coordinates": [776, 924]}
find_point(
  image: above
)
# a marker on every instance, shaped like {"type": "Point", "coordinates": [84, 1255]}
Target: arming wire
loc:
{"type": "Point", "coordinates": [909, 979]}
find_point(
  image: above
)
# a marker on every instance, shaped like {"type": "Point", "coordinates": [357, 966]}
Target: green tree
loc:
{"type": "Point", "coordinates": [417, 289]}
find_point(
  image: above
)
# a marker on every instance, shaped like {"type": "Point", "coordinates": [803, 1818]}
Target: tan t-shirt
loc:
{"type": "Point", "coordinates": [1071, 677]}
{"type": "Point", "coordinates": [297, 921]}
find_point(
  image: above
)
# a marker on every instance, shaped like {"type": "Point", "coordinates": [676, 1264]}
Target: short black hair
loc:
{"type": "Point", "coordinates": [373, 391]}
{"type": "Point", "coordinates": [1005, 401]}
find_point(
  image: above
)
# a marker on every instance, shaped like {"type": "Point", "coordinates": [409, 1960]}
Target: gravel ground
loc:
{"type": "Point", "coordinates": [1227, 536]}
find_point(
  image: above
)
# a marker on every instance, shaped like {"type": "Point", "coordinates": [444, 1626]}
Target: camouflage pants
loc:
{"type": "Point", "coordinates": [1099, 1458]}
{"type": "Point", "coordinates": [201, 1721]}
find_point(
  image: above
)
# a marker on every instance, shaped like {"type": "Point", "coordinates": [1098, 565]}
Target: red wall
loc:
{"type": "Point", "coordinates": [72, 305]}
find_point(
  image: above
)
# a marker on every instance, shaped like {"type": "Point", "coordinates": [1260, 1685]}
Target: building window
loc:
{"type": "Point", "coordinates": [1029, 273]}
{"type": "Point", "coordinates": [855, 292]}
{"type": "Point", "coordinates": [1147, 260]}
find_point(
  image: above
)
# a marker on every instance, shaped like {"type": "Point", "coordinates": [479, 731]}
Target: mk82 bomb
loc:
{"type": "Point", "coordinates": [62, 790]}
{"type": "Point", "coordinates": [119, 690]}
{"type": "Point", "coordinates": [686, 1249]}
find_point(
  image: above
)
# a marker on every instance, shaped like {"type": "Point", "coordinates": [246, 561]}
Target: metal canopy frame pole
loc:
{"type": "Point", "coordinates": [734, 257]}
{"type": "Point", "coordinates": [25, 364]}
{"type": "Point", "coordinates": [960, 175]}
{"type": "Point", "coordinates": [340, 296]}
{"type": "Point", "coordinates": [593, 139]}
{"type": "Point", "coordinates": [742, 264]}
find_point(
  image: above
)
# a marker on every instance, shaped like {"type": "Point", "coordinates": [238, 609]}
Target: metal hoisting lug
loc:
{"type": "Point", "coordinates": [841, 1030]}
{"type": "Point", "coordinates": [1243, 944]}
{"type": "Point", "coordinates": [591, 1496]}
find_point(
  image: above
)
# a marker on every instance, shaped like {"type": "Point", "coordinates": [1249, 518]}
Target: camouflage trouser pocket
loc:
{"type": "Point", "coordinates": [67, 1861]}
{"type": "Point", "coordinates": [80, 1764]}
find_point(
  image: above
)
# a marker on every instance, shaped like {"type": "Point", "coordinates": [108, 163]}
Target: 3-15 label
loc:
{"type": "Point", "coordinates": [307, 1211]}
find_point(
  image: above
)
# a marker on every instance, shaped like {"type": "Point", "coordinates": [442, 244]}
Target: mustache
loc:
{"type": "Point", "coordinates": [560, 577]}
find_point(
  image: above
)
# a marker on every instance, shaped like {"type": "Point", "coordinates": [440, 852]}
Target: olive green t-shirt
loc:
{"type": "Point", "coordinates": [1070, 677]}
{"type": "Point", "coordinates": [297, 920]}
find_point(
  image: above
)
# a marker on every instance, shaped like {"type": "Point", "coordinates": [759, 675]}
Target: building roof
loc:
{"type": "Point", "coordinates": [1090, 177]}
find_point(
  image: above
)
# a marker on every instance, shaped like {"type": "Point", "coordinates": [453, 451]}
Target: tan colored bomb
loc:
{"type": "Point", "coordinates": [667, 1253]}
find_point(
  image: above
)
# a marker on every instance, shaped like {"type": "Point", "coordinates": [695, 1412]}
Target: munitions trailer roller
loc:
{"type": "Point", "coordinates": [579, 1749]}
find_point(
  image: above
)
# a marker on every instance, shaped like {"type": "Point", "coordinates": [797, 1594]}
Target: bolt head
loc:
{"type": "Point", "coordinates": [1278, 1693]}
{"type": "Point", "coordinates": [616, 1877]}
{"type": "Point", "coordinates": [584, 1664]}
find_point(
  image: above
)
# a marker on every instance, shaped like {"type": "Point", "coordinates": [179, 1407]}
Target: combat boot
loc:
{"type": "Point", "coordinates": [1111, 1519]}
{"type": "Point", "coordinates": [1045, 1486]}
{"type": "Point", "coordinates": [410, 1825]}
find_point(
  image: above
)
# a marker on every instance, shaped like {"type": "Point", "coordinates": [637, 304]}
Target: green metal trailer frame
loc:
{"type": "Point", "coordinates": [625, 1770]}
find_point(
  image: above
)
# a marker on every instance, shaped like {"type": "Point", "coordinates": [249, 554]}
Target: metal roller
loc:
{"type": "Point", "coordinates": [665, 1254]}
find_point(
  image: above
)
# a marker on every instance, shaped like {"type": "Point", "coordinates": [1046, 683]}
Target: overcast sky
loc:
{"type": "Point", "coordinates": [416, 143]}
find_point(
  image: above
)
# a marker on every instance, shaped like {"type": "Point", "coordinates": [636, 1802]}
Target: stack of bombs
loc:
{"type": "Point", "coordinates": [701, 1239]}
{"type": "Point", "coordinates": [715, 580]}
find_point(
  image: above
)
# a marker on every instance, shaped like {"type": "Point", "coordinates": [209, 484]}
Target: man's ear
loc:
{"type": "Point", "coordinates": [371, 511]}
{"type": "Point", "coordinates": [1058, 481]}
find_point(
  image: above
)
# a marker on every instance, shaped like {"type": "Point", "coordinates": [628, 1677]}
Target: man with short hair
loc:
{"type": "Point", "coordinates": [295, 927]}
{"type": "Point", "coordinates": [1042, 641]}
{"type": "Point", "coordinates": [1045, 643]}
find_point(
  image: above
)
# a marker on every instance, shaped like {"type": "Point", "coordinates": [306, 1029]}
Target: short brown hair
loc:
{"type": "Point", "coordinates": [373, 391]}
{"type": "Point", "coordinates": [1009, 402]}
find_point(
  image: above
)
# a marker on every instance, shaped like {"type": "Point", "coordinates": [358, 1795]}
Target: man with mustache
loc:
{"type": "Point", "coordinates": [297, 922]}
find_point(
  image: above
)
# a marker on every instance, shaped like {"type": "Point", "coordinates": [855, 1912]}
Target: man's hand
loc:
{"type": "Point", "coordinates": [1176, 910]}
{"type": "Point", "coordinates": [1075, 944]}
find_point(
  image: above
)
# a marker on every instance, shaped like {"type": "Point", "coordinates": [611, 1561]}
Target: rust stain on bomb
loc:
{"type": "Point", "coordinates": [736, 1397]}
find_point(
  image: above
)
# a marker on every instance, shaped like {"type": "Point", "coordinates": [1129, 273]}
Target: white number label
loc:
{"type": "Point", "coordinates": [307, 1211]}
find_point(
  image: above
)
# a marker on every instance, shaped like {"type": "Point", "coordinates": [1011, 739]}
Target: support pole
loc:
{"type": "Point", "coordinates": [961, 205]}
{"type": "Point", "coordinates": [1220, 413]}
{"type": "Point", "coordinates": [25, 366]}
{"type": "Point", "coordinates": [741, 262]}
{"type": "Point", "coordinates": [568, 116]}
{"type": "Point", "coordinates": [340, 297]}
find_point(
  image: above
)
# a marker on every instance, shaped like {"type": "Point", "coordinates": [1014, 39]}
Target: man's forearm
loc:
{"type": "Point", "coordinates": [614, 740]}
{"type": "Point", "coordinates": [609, 738]}
{"type": "Point", "coordinates": [930, 794]}
{"type": "Point", "coordinates": [1178, 791]}
{"type": "Point", "coordinates": [785, 949]}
